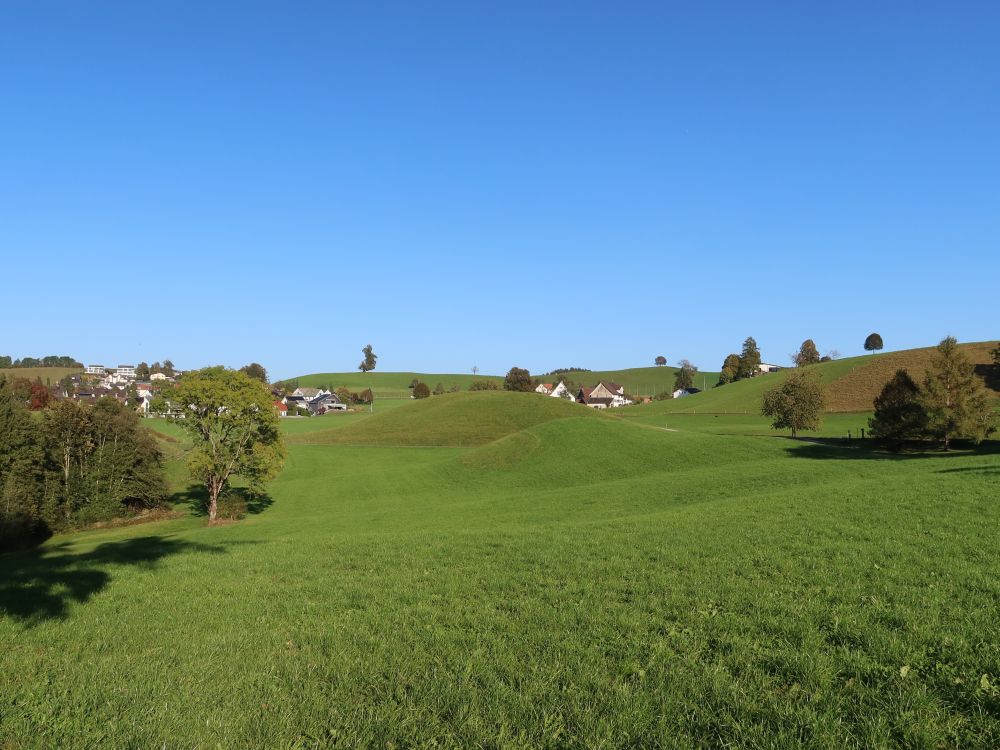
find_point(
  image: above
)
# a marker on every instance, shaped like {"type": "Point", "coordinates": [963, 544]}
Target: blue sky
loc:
{"type": "Point", "coordinates": [495, 184]}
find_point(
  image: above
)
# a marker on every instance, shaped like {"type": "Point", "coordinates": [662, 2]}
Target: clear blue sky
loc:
{"type": "Point", "coordinates": [491, 184]}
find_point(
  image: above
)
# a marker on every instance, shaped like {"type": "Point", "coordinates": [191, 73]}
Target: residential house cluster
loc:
{"type": "Point", "coordinates": [314, 400]}
{"type": "Point", "coordinates": [604, 395]}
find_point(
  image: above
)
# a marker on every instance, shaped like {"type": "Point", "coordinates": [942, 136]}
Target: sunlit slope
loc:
{"type": "Point", "coordinates": [850, 384]}
{"type": "Point", "coordinates": [389, 384]}
{"type": "Point", "coordinates": [454, 419]}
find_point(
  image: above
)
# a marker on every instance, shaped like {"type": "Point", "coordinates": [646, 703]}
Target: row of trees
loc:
{"type": "Point", "coordinates": [746, 364]}
{"type": "Point", "coordinates": [6, 362]}
{"type": "Point", "coordinates": [76, 465]}
{"type": "Point", "coordinates": [951, 403]}
{"type": "Point", "coordinates": [144, 370]}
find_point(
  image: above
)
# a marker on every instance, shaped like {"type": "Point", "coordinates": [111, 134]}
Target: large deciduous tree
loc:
{"type": "Point", "coordinates": [955, 398]}
{"type": "Point", "coordinates": [684, 377]}
{"type": "Point", "coordinates": [749, 359]}
{"type": "Point", "coordinates": [230, 418]}
{"type": "Point", "coordinates": [660, 361]}
{"type": "Point", "coordinates": [368, 363]}
{"type": "Point", "coordinates": [142, 371]}
{"type": "Point", "coordinates": [796, 403]}
{"type": "Point", "coordinates": [807, 355]}
{"type": "Point", "coordinates": [730, 369]}
{"type": "Point", "coordinates": [518, 379]}
{"type": "Point", "coordinates": [21, 461]}
{"type": "Point", "coordinates": [873, 343]}
{"type": "Point", "coordinates": [899, 412]}
{"type": "Point", "coordinates": [255, 371]}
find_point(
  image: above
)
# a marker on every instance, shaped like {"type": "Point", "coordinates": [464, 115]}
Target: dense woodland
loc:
{"type": "Point", "coordinates": [71, 465]}
{"type": "Point", "coordinates": [7, 362]}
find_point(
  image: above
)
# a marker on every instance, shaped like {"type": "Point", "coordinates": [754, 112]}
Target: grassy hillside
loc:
{"type": "Point", "coordinates": [454, 419]}
{"type": "Point", "coordinates": [580, 582]}
{"type": "Point", "coordinates": [851, 384]}
{"type": "Point", "coordinates": [388, 384]}
{"type": "Point", "coordinates": [48, 375]}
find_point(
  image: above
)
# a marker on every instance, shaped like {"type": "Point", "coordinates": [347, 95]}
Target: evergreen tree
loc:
{"type": "Point", "coordinates": [954, 397]}
{"type": "Point", "coordinates": [749, 359]}
{"type": "Point", "coordinates": [730, 369]}
{"type": "Point", "coordinates": [899, 412]}
{"type": "Point", "coordinates": [796, 404]}
{"type": "Point", "coordinates": [808, 354]}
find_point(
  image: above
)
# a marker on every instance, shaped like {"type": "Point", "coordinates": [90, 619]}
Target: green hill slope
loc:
{"type": "Point", "coordinates": [454, 419]}
{"type": "Point", "coordinates": [388, 384]}
{"type": "Point", "coordinates": [639, 381]}
{"type": "Point", "coordinates": [851, 384]}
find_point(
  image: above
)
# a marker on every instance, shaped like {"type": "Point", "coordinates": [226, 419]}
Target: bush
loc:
{"type": "Point", "coordinates": [421, 390]}
{"type": "Point", "coordinates": [484, 385]}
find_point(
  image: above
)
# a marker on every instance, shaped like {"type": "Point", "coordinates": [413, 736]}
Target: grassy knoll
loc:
{"type": "Point", "coordinates": [388, 385]}
{"type": "Point", "coordinates": [582, 581]}
{"type": "Point", "coordinates": [454, 419]}
{"type": "Point", "coordinates": [48, 375]}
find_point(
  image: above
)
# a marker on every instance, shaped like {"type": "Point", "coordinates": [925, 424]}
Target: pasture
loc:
{"type": "Point", "coordinates": [502, 570]}
{"type": "Point", "coordinates": [45, 375]}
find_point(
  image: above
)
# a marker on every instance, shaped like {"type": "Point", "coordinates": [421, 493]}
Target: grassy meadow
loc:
{"type": "Point", "coordinates": [507, 571]}
{"type": "Point", "coordinates": [47, 375]}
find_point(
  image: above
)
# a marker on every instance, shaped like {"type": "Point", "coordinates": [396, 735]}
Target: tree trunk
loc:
{"type": "Point", "coordinates": [213, 502]}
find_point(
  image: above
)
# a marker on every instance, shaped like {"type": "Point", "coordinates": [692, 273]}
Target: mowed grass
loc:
{"type": "Point", "coordinates": [580, 582]}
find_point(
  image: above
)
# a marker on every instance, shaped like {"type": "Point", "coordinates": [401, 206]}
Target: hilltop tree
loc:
{"type": "Point", "coordinates": [873, 343]}
{"type": "Point", "coordinates": [142, 371]}
{"type": "Point", "coordinates": [807, 355]}
{"type": "Point", "coordinates": [475, 369]}
{"type": "Point", "coordinates": [230, 418]}
{"type": "Point", "coordinates": [954, 397]}
{"type": "Point", "coordinates": [660, 361]}
{"type": "Point", "coordinates": [368, 363]}
{"type": "Point", "coordinates": [795, 404]}
{"type": "Point", "coordinates": [899, 412]}
{"type": "Point", "coordinates": [518, 379]}
{"type": "Point", "coordinates": [255, 371]}
{"type": "Point", "coordinates": [684, 378]}
{"type": "Point", "coordinates": [421, 390]}
{"type": "Point", "coordinates": [730, 369]}
{"type": "Point", "coordinates": [749, 359]}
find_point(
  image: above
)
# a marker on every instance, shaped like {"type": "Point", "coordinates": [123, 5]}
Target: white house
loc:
{"type": "Point", "coordinates": [95, 369]}
{"type": "Point", "coordinates": [561, 391]}
{"type": "Point", "coordinates": [544, 388]}
{"type": "Point", "coordinates": [764, 367]}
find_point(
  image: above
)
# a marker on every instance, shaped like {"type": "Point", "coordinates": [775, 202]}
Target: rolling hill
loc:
{"type": "Point", "coordinates": [47, 375]}
{"type": "Point", "coordinates": [851, 384]}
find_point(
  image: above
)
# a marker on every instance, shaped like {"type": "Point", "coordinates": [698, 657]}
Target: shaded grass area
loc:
{"type": "Point", "coordinates": [582, 582]}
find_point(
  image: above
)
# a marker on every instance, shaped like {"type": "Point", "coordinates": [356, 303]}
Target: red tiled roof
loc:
{"type": "Point", "coordinates": [281, 406]}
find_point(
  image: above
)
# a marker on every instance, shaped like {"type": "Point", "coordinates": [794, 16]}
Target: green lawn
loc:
{"type": "Point", "coordinates": [579, 580]}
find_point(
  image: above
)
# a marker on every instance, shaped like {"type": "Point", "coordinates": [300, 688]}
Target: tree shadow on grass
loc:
{"type": "Point", "coordinates": [195, 496]}
{"type": "Point", "coordinates": [841, 449]}
{"type": "Point", "coordinates": [40, 585]}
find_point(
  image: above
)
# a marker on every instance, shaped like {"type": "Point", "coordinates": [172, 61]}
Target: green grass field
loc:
{"type": "Point", "coordinates": [48, 375]}
{"type": "Point", "coordinates": [565, 579]}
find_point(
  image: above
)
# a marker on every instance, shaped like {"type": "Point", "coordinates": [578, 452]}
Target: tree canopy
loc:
{"type": "Point", "coordinates": [660, 361]}
{"type": "Point", "coordinates": [796, 403]}
{"type": "Point", "coordinates": [518, 379]}
{"type": "Point", "coordinates": [255, 371]}
{"type": "Point", "coordinates": [684, 377]}
{"type": "Point", "coordinates": [899, 412]}
{"type": "Point", "coordinates": [368, 363]}
{"type": "Point", "coordinates": [235, 431]}
{"type": "Point", "coordinates": [730, 369]}
{"type": "Point", "coordinates": [873, 343]}
{"type": "Point", "coordinates": [955, 398]}
{"type": "Point", "coordinates": [807, 355]}
{"type": "Point", "coordinates": [749, 359]}
{"type": "Point", "coordinates": [421, 390]}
